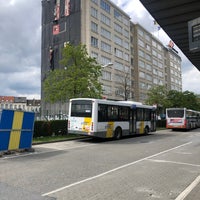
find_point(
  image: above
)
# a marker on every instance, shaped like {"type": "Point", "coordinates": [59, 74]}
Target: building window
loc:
{"type": "Point", "coordinates": [105, 6]}
{"type": "Point", "coordinates": [141, 64]}
{"type": "Point", "coordinates": [107, 89]}
{"type": "Point", "coordinates": [118, 40]}
{"type": "Point", "coordinates": [94, 27]}
{"type": "Point", "coordinates": [94, 55]}
{"type": "Point", "coordinates": [149, 77]}
{"type": "Point", "coordinates": [94, 12]}
{"type": "Point", "coordinates": [160, 65]}
{"type": "Point", "coordinates": [94, 42]}
{"type": "Point", "coordinates": [154, 53]}
{"type": "Point", "coordinates": [141, 43]}
{"type": "Point", "coordinates": [154, 44]}
{"type": "Point", "coordinates": [126, 33]}
{"type": "Point", "coordinates": [126, 57]}
{"type": "Point", "coordinates": [141, 53]}
{"type": "Point", "coordinates": [94, 1]}
{"type": "Point", "coordinates": [140, 32]}
{"type": "Point", "coordinates": [155, 62]}
{"type": "Point", "coordinates": [105, 60]}
{"type": "Point", "coordinates": [148, 57]}
{"type": "Point", "coordinates": [126, 45]}
{"type": "Point", "coordinates": [105, 33]}
{"type": "Point", "coordinates": [118, 53]}
{"type": "Point", "coordinates": [126, 22]}
{"type": "Point", "coordinates": [119, 66]}
{"type": "Point", "coordinates": [117, 15]}
{"type": "Point", "coordinates": [147, 37]}
{"type": "Point", "coordinates": [148, 67]}
{"type": "Point", "coordinates": [118, 28]}
{"type": "Point", "coordinates": [106, 47]}
{"type": "Point", "coordinates": [106, 20]}
{"type": "Point", "coordinates": [141, 74]}
{"type": "Point", "coordinates": [106, 75]}
{"type": "Point", "coordinates": [148, 48]}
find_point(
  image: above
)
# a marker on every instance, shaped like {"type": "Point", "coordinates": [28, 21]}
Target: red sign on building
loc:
{"type": "Point", "coordinates": [67, 7]}
{"type": "Point", "coordinates": [56, 29]}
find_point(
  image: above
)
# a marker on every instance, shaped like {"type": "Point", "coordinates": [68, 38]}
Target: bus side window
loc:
{"type": "Point", "coordinates": [147, 114]}
{"type": "Point", "coordinates": [123, 113]}
{"type": "Point", "coordinates": [140, 116]}
{"type": "Point", "coordinates": [102, 113]}
{"type": "Point", "coordinates": [112, 113]}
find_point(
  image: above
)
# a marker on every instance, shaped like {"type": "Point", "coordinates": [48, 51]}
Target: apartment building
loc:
{"type": "Point", "coordinates": [132, 59]}
{"type": "Point", "coordinates": [154, 64]}
{"type": "Point", "coordinates": [103, 28]}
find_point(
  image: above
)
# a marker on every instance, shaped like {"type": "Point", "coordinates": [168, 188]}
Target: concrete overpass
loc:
{"type": "Point", "coordinates": [173, 16]}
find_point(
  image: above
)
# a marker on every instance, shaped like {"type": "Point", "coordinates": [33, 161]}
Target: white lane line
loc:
{"type": "Point", "coordinates": [113, 170]}
{"type": "Point", "coordinates": [173, 162]}
{"type": "Point", "coordinates": [189, 189]}
{"type": "Point", "coordinates": [39, 153]}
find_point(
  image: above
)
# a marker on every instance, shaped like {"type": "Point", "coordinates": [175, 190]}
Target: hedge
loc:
{"type": "Point", "coordinates": [50, 128]}
{"type": "Point", "coordinates": [161, 123]}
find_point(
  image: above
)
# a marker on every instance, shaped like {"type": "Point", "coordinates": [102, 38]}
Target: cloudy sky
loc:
{"type": "Point", "coordinates": [20, 43]}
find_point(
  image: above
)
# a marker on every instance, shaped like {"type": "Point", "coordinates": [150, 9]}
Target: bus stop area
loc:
{"type": "Point", "coordinates": [162, 165]}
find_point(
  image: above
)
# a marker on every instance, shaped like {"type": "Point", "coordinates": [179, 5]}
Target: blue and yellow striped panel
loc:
{"type": "Point", "coordinates": [16, 130]}
{"type": "Point", "coordinates": [27, 130]}
{"type": "Point", "coordinates": [5, 128]}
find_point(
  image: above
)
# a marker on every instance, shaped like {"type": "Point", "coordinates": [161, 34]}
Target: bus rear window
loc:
{"type": "Point", "coordinates": [81, 108]}
{"type": "Point", "coordinates": [175, 113]}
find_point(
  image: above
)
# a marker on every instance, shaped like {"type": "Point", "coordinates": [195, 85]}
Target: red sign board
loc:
{"type": "Point", "coordinates": [56, 29]}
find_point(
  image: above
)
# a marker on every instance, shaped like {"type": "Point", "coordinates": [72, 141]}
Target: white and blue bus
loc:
{"type": "Point", "coordinates": [110, 119]}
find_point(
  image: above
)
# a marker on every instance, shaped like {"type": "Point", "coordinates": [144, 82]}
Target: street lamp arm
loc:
{"type": "Point", "coordinates": [107, 65]}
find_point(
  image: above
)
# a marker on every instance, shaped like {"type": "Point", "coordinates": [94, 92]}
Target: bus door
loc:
{"type": "Point", "coordinates": [133, 120]}
{"type": "Point", "coordinates": [153, 120]}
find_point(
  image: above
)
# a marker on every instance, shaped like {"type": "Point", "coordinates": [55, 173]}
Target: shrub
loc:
{"type": "Point", "coordinates": [161, 123]}
{"type": "Point", "coordinates": [49, 128]}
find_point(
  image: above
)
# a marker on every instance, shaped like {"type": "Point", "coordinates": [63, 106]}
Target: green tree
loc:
{"type": "Point", "coordinates": [163, 98]}
{"type": "Point", "coordinates": [158, 96]}
{"type": "Point", "coordinates": [184, 99]}
{"type": "Point", "coordinates": [190, 100]}
{"type": "Point", "coordinates": [175, 98]}
{"type": "Point", "coordinates": [79, 76]}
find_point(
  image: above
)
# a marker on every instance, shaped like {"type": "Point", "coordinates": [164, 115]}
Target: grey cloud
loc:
{"type": "Point", "coordinates": [20, 43]}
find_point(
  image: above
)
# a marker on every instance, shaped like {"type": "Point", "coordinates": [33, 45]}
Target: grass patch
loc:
{"type": "Point", "coordinates": [56, 138]}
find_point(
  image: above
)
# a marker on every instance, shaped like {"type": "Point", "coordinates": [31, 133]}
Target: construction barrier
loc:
{"type": "Point", "coordinates": [16, 129]}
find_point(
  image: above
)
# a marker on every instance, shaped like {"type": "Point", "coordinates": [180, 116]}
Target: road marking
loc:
{"type": "Point", "coordinates": [173, 162]}
{"type": "Point", "coordinates": [113, 170]}
{"type": "Point", "coordinates": [189, 189]}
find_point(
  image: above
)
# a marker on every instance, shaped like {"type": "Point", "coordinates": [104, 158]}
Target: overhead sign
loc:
{"type": "Point", "coordinates": [194, 35]}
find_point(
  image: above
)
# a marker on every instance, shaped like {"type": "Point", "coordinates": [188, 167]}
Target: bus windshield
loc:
{"type": "Point", "coordinates": [175, 113]}
{"type": "Point", "coordinates": [81, 108]}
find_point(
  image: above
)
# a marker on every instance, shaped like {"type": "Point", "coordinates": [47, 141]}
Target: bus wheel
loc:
{"type": "Point", "coordinates": [118, 133]}
{"type": "Point", "coordinates": [146, 130]}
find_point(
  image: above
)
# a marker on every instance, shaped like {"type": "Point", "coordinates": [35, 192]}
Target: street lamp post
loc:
{"type": "Point", "coordinates": [104, 66]}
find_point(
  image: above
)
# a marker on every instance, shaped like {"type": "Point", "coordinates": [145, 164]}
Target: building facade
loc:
{"type": "Point", "coordinates": [137, 60]}
{"type": "Point", "coordinates": [21, 103]}
{"type": "Point", "coordinates": [154, 64]}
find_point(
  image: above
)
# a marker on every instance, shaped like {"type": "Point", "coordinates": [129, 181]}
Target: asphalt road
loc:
{"type": "Point", "coordinates": [164, 165]}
